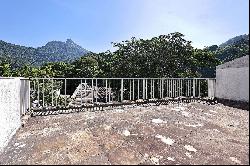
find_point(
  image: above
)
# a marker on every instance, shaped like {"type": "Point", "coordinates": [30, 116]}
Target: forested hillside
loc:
{"type": "Point", "coordinates": [231, 49]}
{"type": "Point", "coordinates": [53, 51]}
{"type": "Point", "coordinates": [163, 56]}
{"type": "Point", "coordinates": [236, 48]}
{"type": "Point", "coordinates": [235, 40]}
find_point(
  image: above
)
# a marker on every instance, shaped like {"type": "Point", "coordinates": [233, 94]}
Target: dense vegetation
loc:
{"type": "Point", "coordinates": [233, 48]}
{"type": "Point", "coordinates": [53, 51]}
{"type": "Point", "coordinates": [233, 40]}
{"type": "Point", "coordinates": [163, 56]}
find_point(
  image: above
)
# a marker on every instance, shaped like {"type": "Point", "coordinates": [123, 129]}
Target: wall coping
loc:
{"type": "Point", "coordinates": [236, 63]}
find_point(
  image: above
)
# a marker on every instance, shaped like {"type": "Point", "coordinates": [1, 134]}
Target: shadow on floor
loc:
{"type": "Point", "coordinates": [236, 104]}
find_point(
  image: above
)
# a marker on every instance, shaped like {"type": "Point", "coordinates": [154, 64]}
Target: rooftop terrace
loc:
{"type": "Point", "coordinates": [188, 133]}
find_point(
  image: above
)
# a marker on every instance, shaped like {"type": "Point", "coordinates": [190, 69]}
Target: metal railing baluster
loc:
{"type": "Point", "coordinates": [121, 90]}
{"type": "Point", "coordinates": [65, 89]}
{"type": "Point", "coordinates": [130, 95]}
{"type": "Point", "coordinates": [81, 92]}
{"type": "Point", "coordinates": [38, 91]}
{"type": "Point", "coordinates": [43, 92]}
{"type": "Point", "coordinates": [52, 87]}
{"type": "Point", "coordinates": [106, 90]}
{"type": "Point", "coordinates": [133, 89]}
{"type": "Point", "coordinates": [138, 95]}
{"type": "Point", "coordinates": [143, 89]}
{"type": "Point", "coordinates": [153, 88]}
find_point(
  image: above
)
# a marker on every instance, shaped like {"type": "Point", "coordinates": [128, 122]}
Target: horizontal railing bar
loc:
{"type": "Point", "coordinates": [21, 78]}
{"type": "Point", "coordinates": [119, 78]}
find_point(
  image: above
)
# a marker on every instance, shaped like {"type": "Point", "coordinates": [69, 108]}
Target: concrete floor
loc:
{"type": "Point", "coordinates": [191, 133]}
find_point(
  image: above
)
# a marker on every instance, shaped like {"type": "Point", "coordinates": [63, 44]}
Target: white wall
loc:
{"type": "Point", "coordinates": [9, 109]}
{"type": "Point", "coordinates": [233, 83]}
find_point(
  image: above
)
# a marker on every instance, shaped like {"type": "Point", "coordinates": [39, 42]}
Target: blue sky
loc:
{"type": "Point", "coordinates": [94, 24]}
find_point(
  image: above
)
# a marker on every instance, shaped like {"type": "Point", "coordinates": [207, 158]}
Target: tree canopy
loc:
{"type": "Point", "coordinates": [163, 56]}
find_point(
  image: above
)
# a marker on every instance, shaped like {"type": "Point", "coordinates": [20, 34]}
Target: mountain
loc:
{"type": "Point", "coordinates": [231, 49]}
{"type": "Point", "coordinates": [53, 51]}
{"type": "Point", "coordinates": [234, 40]}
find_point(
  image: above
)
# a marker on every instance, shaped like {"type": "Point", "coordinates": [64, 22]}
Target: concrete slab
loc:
{"type": "Point", "coordinates": [132, 137]}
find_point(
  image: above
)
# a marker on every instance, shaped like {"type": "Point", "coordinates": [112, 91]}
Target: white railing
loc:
{"type": "Point", "coordinates": [53, 92]}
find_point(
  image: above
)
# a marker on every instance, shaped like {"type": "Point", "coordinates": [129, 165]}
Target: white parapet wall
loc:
{"type": "Point", "coordinates": [11, 105]}
{"type": "Point", "coordinates": [232, 80]}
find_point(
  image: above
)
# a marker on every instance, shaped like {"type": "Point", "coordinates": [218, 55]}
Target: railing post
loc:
{"type": "Point", "coordinates": [174, 88]}
{"type": "Point", "coordinates": [52, 92]}
{"type": "Point", "coordinates": [167, 88]}
{"type": "Point", "coordinates": [121, 90]}
{"type": "Point", "coordinates": [190, 87]}
{"type": "Point", "coordinates": [93, 91]}
{"type": "Point", "coordinates": [153, 89]}
{"type": "Point", "coordinates": [208, 89]}
{"type": "Point", "coordinates": [211, 85]}
{"type": "Point", "coordinates": [43, 92]}
{"type": "Point", "coordinates": [109, 90]}
{"type": "Point", "coordinates": [194, 87]}
{"type": "Point", "coordinates": [38, 91]}
{"type": "Point", "coordinates": [106, 87]}
{"type": "Point", "coordinates": [133, 89]}
{"type": "Point", "coordinates": [130, 90]}
{"type": "Point", "coordinates": [187, 87]}
{"type": "Point", "coordinates": [159, 86]}
{"type": "Point", "coordinates": [199, 81]}
{"type": "Point", "coordinates": [162, 89]}
{"type": "Point", "coordinates": [65, 87]}
{"type": "Point", "coordinates": [143, 89]}
{"type": "Point", "coordinates": [81, 92]}
{"type": "Point", "coordinates": [85, 89]}
{"type": "Point", "coordinates": [29, 94]}
{"type": "Point", "coordinates": [138, 95]}
{"type": "Point", "coordinates": [96, 91]}
{"type": "Point", "coordinates": [179, 87]}
{"type": "Point", "coordinates": [171, 88]}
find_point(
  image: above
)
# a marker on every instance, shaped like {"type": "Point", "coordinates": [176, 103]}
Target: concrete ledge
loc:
{"type": "Point", "coordinates": [236, 63]}
{"type": "Point", "coordinates": [10, 97]}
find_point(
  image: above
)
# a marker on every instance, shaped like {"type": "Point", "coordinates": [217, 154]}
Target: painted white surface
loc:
{"type": "Point", "coordinates": [9, 109]}
{"type": "Point", "coordinates": [157, 121]}
{"type": "Point", "coordinates": [190, 148]}
{"type": "Point", "coordinates": [233, 83]}
{"type": "Point", "coordinates": [167, 141]}
{"type": "Point", "coordinates": [126, 133]}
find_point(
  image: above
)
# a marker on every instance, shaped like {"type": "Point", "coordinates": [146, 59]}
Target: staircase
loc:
{"type": "Point", "coordinates": [85, 94]}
